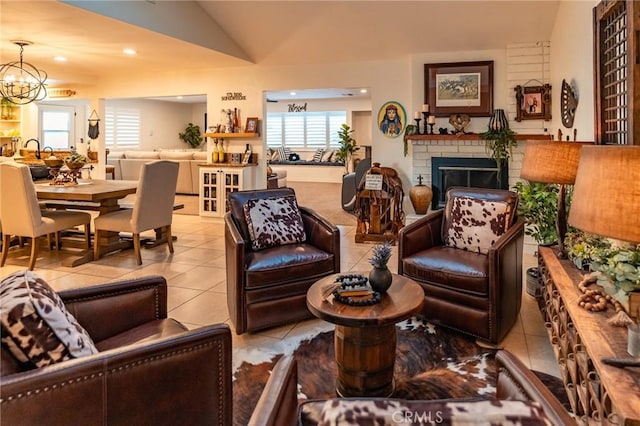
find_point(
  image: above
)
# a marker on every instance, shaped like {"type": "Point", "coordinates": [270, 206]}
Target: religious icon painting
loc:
{"type": "Point", "coordinates": [392, 119]}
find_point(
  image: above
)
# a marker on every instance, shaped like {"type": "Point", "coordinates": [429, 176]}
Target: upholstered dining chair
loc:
{"type": "Point", "coordinates": [21, 215]}
{"type": "Point", "coordinates": [274, 251]}
{"type": "Point", "coordinates": [152, 209]}
{"type": "Point", "coordinates": [468, 259]}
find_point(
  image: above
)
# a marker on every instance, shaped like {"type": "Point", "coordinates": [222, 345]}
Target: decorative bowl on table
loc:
{"type": "Point", "coordinates": [75, 165]}
{"type": "Point", "coordinates": [53, 162]}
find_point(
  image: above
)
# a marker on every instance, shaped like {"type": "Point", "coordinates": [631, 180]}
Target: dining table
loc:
{"type": "Point", "coordinates": [95, 195]}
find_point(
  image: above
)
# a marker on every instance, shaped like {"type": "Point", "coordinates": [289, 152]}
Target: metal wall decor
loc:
{"type": "Point", "coordinates": [533, 102]}
{"type": "Point", "coordinates": [568, 104]}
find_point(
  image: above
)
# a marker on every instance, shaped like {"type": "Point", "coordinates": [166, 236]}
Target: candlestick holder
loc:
{"type": "Point", "coordinates": [431, 128]}
{"type": "Point", "coordinates": [426, 116]}
{"type": "Point", "coordinates": [417, 120]}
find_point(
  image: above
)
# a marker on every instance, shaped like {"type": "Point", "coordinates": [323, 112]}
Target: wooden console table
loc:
{"type": "Point", "coordinates": [599, 393]}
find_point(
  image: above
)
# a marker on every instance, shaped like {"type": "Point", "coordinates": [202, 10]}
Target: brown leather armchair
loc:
{"type": "Point", "coordinates": [278, 404]}
{"type": "Point", "coordinates": [268, 287]}
{"type": "Point", "coordinates": [150, 369]}
{"type": "Point", "coordinates": [478, 294]}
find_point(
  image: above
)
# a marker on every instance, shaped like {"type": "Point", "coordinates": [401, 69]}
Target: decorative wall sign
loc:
{"type": "Point", "coordinates": [533, 102]}
{"type": "Point", "coordinates": [459, 88]}
{"type": "Point", "coordinates": [392, 119]}
{"type": "Point", "coordinates": [234, 96]}
{"type": "Point", "coordinates": [297, 108]}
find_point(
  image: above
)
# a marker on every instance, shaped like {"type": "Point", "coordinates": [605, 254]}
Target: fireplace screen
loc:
{"type": "Point", "coordinates": [467, 172]}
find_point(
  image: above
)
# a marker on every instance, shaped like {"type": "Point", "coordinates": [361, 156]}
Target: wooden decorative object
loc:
{"type": "Point", "coordinates": [379, 206]}
{"type": "Point", "coordinates": [581, 340]}
{"type": "Point", "coordinates": [533, 102]}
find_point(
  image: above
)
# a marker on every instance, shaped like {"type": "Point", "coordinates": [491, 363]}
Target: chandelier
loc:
{"type": "Point", "coordinates": [21, 82]}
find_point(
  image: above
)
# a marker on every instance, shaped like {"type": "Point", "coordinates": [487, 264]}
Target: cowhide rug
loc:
{"type": "Point", "coordinates": [432, 362]}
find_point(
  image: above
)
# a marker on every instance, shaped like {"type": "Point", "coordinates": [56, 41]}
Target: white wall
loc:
{"type": "Point", "coordinates": [572, 60]}
{"type": "Point", "coordinates": [161, 121]}
{"type": "Point", "coordinates": [401, 80]}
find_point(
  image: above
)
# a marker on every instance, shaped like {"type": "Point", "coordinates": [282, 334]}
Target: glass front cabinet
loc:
{"type": "Point", "coordinates": [216, 182]}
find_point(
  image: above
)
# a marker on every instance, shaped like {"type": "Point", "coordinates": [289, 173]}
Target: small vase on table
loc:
{"type": "Point", "coordinates": [380, 277]}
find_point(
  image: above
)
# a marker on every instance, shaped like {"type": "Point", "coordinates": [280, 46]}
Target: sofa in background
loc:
{"type": "Point", "coordinates": [127, 165]}
{"type": "Point", "coordinates": [305, 169]}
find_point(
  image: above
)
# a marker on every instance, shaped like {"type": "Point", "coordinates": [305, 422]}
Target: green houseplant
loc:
{"type": "Point", "coordinates": [409, 130]}
{"type": "Point", "coordinates": [191, 135]}
{"type": "Point", "coordinates": [500, 144]}
{"type": "Point", "coordinates": [348, 145]}
{"type": "Point", "coordinates": [538, 205]}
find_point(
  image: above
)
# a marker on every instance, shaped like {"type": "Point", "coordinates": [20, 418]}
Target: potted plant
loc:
{"type": "Point", "coordinates": [191, 135]}
{"type": "Point", "coordinates": [499, 145]}
{"type": "Point", "coordinates": [409, 130]}
{"type": "Point", "coordinates": [538, 205]}
{"type": "Point", "coordinates": [380, 277]}
{"type": "Point", "coordinates": [348, 145]}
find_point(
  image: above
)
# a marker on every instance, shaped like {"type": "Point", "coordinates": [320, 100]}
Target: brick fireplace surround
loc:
{"type": "Point", "coordinates": [424, 147]}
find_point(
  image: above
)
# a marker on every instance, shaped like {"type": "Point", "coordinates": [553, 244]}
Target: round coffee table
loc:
{"type": "Point", "coordinates": [365, 336]}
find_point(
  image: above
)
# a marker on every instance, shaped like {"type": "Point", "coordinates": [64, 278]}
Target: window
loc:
{"type": "Point", "coordinates": [304, 129]}
{"type": "Point", "coordinates": [617, 73]}
{"type": "Point", "coordinates": [56, 125]}
{"type": "Point", "coordinates": [122, 127]}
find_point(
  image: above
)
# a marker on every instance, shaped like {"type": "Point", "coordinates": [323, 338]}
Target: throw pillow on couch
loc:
{"type": "Point", "coordinates": [36, 326]}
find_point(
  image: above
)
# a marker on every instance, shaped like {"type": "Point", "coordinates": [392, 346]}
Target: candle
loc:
{"type": "Point", "coordinates": [416, 114]}
{"type": "Point", "coordinates": [432, 119]}
{"type": "Point", "coordinates": [425, 108]}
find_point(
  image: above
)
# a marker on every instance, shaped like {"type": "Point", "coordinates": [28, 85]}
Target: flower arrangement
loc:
{"type": "Point", "coordinates": [381, 255]}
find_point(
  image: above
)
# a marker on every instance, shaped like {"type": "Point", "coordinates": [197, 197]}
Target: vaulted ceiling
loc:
{"type": "Point", "coordinates": [186, 35]}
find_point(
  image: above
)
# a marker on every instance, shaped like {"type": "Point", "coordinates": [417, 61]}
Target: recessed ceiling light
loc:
{"type": "Point", "coordinates": [363, 90]}
{"type": "Point", "coordinates": [60, 59]}
{"type": "Point", "coordinates": [129, 51]}
{"type": "Point", "coordinates": [180, 97]}
{"type": "Point", "coordinates": [292, 93]}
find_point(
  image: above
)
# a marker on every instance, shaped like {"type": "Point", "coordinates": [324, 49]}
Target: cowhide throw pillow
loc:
{"type": "Point", "coordinates": [36, 327]}
{"type": "Point", "coordinates": [381, 411]}
{"type": "Point", "coordinates": [476, 224]}
{"type": "Point", "coordinates": [274, 222]}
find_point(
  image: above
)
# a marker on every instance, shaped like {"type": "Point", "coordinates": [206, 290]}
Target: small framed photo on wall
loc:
{"type": "Point", "coordinates": [252, 125]}
{"type": "Point", "coordinates": [533, 102]}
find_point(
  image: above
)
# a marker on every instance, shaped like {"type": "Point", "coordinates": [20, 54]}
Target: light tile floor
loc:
{"type": "Point", "coordinates": [197, 292]}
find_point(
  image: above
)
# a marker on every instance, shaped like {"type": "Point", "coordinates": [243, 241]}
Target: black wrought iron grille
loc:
{"type": "Point", "coordinates": [614, 72]}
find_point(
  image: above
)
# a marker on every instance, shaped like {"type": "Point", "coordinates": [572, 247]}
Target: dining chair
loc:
{"type": "Point", "coordinates": [22, 216]}
{"type": "Point", "coordinates": [152, 209]}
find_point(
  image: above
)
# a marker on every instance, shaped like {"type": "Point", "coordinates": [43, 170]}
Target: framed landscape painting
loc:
{"type": "Point", "coordinates": [459, 88]}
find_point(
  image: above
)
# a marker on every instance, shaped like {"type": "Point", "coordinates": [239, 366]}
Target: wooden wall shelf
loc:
{"type": "Point", "coordinates": [473, 137]}
{"type": "Point", "coordinates": [231, 135]}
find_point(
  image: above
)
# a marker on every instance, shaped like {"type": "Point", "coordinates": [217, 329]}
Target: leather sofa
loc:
{"type": "Point", "coordinates": [278, 404]}
{"type": "Point", "coordinates": [268, 287]}
{"type": "Point", "coordinates": [478, 294]}
{"type": "Point", "coordinates": [127, 165]}
{"type": "Point", "coordinates": [150, 370]}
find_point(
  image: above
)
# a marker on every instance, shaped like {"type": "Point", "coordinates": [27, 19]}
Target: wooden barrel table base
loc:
{"type": "Point", "coordinates": [365, 358]}
{"type": "Point", "coordinates": [365, 336]}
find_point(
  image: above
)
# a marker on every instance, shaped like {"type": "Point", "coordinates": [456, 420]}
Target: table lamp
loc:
{"type": "Point", "coordinates": [557, 163]}
{"type": "Point", "coordinates": [606, 195]}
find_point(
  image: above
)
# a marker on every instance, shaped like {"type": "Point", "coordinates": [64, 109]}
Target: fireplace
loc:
{"type": "Point", "coordinates": [469, 172]}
